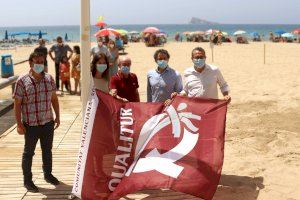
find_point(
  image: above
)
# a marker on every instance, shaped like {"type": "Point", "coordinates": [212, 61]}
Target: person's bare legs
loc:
{"type": "Point", "coordinates": [62, 88]}
{"type": "Point", "coordinates": [76, 85]}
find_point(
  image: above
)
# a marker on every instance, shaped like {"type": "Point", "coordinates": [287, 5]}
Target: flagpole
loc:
{"type": "Point", "coordinates": [85, 46]}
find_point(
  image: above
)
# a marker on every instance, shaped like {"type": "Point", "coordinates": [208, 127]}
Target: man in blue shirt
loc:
{"type": "Point", "coordinates": [163, 80]}
{"type": "Point", "coordinates": [60, 50]}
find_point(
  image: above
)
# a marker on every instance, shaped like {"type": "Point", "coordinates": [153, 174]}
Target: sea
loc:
{"type": "Point", "coordinates": [73, 32]}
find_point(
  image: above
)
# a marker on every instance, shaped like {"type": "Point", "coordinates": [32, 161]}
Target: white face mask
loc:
{"type": "Point", "coordinates": [112, 46]}
{"type": "Point", "coordinates": [199, 63]}
{"type": "Point", "coordinates": [162, 64]}
{"type": "Point", "coordinates": [38, 68]}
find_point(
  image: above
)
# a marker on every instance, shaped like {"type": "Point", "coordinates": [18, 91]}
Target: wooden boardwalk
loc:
{"type": "Point", "coordinates": [65, 149]}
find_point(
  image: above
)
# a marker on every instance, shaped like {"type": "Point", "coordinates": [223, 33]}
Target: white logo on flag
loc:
{"type": "Point", "coordinates": [165, 163]}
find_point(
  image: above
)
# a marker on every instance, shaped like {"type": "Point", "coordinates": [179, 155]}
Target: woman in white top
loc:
{"type": "Point", "coordinates": [99, 69]}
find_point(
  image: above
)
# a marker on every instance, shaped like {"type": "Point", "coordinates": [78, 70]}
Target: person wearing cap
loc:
{"type": "Point", "coordinates": [162, 81]}
{"type": "Point", "coordinates": [124, 85]}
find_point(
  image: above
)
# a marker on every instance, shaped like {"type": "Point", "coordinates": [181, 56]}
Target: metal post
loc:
{"type": "Point", "coordinates": [85, 46]}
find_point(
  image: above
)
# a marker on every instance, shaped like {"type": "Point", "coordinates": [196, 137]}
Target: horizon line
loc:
{"type": "Point", "coordinates": [216, 24]}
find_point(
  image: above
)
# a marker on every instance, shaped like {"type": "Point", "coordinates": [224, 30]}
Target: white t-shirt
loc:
{"type": "Point", "coordinates": [204, 84]}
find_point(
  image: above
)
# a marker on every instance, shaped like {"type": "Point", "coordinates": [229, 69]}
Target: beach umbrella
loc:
{"type": "Point", "coordinates": [240, 32]}
{"type": "Point", "coordinates": [254, 34]}
{"type": "Point", "coordinates": [287, 35]}
{"type": "Point", "coordinates": [18, 33]}
{"type": "Point", "coordinates": [199, 33]}
{"type": "Point", "coordinates": [66, 37]}
{"type": "Point", "coordinates": [224, 33]}
{"type": "Point", "coordinates": [122, 31]}
{"type": "Point", "coordinates": [134, 32]}
{"type": "Point", "coordinates": [101, 24]}
{"type": "Point", "coordinates": [280, 32]}
{"type": "Point", "coordinates": [186, 33]}
{"type": "Point", "coordinates": [40, 34]}
{"type": "Point", "coordinates": [151, 30]}
{"type": "Point", "coordinates": [211, 31]}
{"type": "Point", "coordinates": [161, 34]}
{"type": "Point", "coordinates": [296, 31]}
{"type": "Point", "coordinates": [6, 35]}
{"type": "Point", "coordinates": [107, 32]}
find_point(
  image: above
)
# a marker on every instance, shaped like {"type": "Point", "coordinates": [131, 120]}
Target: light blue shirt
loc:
{"type": "Point", "coordinates": [160, 86]}
{"type": "Point", "coordinates": [96, 50]}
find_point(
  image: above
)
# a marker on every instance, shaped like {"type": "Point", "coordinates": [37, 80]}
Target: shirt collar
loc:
{"type": "Point", "coordinates": [205, 69]}
{"type": "Point", "coordinates": [122, 76]}
{"type": "Point", "coordinates": [31, 76]}
{"type": "Point", "coordinates": [167, 69]}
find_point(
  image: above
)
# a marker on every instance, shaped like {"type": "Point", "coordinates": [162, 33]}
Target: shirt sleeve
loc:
{"type": "Point", "coordinates": [69, 48]}
{"type": "Point", "coordinates": [149, 93]}
{"type": "Point", "coordinates": [53, 84]}
{"type": "Point", "coordinates": [185, 87]}
{"type": "Point", "coordinates": [222, 83]}
{"type": "Point", "coordinates": [108, 54]}
{"type": "Point", "coordinates": [51, 49]}
{"type": "Point", "coordinates": [178, 84]}
{"type": "Point", "coordinates": [92, 51]}
{"type": "Point", "coordinates": [136, 81]}
{"type": "Point", "coordinates": [19, 90]}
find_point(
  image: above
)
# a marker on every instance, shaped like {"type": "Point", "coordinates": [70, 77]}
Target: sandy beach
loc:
{"type": "Point", "coordinates": [262, 150]}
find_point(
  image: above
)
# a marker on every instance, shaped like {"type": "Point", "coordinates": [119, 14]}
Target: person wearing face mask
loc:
{"type": "Point", "coordinates": [162, 81]}
{"type": "Point", "coordinates": [99, 69]}
{"type": "Point", "coordinates": [124, 85]}
{"type": "Point", "coordinates": [100, 48]}
{"type": "Point", "coordinates": [60, 50]}
{"type": "Point", "coordinates": [114, 52]}
{"type": "Point", "coordinates": [202, 79]}
{"type": "Point", "coordinates": [43, 49]}
{"type": "Point", "coordinates": [35, 96]}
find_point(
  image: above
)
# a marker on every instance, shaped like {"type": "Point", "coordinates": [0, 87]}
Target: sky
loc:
{"type": "Point", "coordinates": [67, 12]}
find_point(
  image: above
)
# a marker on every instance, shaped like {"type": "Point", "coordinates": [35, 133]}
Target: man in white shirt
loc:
{"type": "Point", "coordinates": [202, 79]}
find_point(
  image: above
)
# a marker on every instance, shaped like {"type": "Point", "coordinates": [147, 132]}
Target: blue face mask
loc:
{"type": "Point", "coordinates": [101, 67]}
{"type": "Point", "coordinates": [125, 70]}
{"type": "Point", "coordinates": [38, 68]}
{"type": "Point", "coordinates": [162, 64]}
{"type": "Point", "coordinates": [199, 63]}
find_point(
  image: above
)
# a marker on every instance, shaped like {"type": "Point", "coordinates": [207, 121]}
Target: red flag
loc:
{"type": "Point", "coordinates": [126, 147]}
